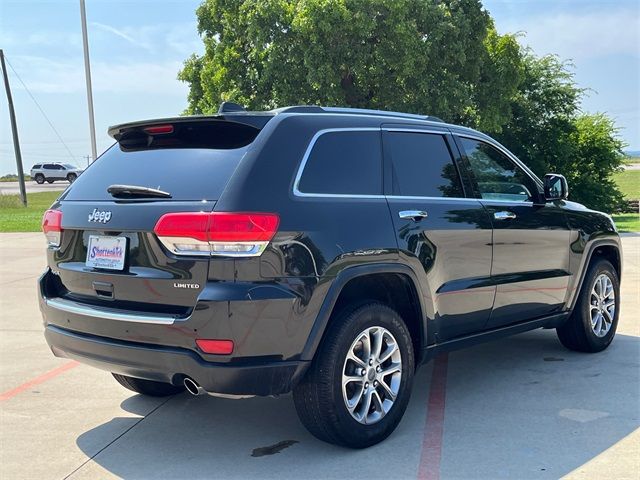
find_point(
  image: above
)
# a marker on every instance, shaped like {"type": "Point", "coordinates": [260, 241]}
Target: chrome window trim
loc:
{"type": "Point", "coordinates": [416, 130]}
{"type": "Point", "coordinates": [319, 133]}
{"type": "Point", "coordinates": [506, 152]}
{"type": "Point", "coordinates": [307, 153]}
{"type": "Point", "coordinates": [70, 306]}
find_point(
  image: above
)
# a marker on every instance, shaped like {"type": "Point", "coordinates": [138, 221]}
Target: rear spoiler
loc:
{"type": "Point", "coordinates": [256, 120]}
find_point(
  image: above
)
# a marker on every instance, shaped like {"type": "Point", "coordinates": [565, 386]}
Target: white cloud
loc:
{"type": "Point", "coordinates": [581, 35]}
{"type": "Point", "coordinates": [181, 38]}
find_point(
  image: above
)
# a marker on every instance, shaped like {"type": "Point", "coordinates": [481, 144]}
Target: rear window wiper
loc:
{"type": "Point", "coordinates": [128, 191]}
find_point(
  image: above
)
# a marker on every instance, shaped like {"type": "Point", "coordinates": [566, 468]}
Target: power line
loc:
{"type": "Point", "coordinates": [40, 108]}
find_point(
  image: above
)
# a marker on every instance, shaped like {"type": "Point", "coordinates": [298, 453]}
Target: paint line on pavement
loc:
{"type": "Point", "coordinates": [38, 380]}
{"type": "Point", "coordinates": [429, 467]}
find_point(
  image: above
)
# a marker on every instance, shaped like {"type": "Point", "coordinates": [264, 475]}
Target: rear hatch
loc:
{"type": "Point", "coordinates": [109, 254]}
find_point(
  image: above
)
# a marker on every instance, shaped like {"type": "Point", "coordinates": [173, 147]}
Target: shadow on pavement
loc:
{"type": "Point", "coordinates": [522, 407]}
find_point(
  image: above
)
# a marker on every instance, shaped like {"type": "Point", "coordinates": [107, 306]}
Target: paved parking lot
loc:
{"type": "Point", "coordinates": [518, 408]}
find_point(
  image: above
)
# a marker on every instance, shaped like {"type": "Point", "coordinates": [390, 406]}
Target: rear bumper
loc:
{"type": "Point", "coordinates": [161, 346]}
{"type": "Point", "coordinates": [172, 365]}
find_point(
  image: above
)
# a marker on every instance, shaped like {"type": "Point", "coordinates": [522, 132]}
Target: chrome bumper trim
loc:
{"type": "Point", "coordinates": [107, 313]}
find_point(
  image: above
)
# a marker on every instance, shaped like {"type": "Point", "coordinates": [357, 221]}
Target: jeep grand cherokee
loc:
{"type": "Point", "coordinates": [323, 251]}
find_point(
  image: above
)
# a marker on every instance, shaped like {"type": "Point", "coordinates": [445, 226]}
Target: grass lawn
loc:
{"type": "Point", "coordinates": [627, 222]}
{"type": "Point", "coordinates": [15, 218]}
{"type": "Point", "coordinates": [629, 183]}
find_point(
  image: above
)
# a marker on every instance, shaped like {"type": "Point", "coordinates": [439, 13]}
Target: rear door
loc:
{"type": "Point", "coordinates": [192, 164]}
{"type": "Point", "coordinates": [530, 237]}
{"type": "Point", "coordinates": [445, 236]}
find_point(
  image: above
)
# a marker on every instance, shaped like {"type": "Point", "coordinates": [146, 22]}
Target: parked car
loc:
{"type": "Point", "coordinates": [50, 172]}
{"type": "Point", "coordinates": [323, 251]}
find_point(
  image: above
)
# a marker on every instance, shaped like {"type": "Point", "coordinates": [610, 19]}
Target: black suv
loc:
{"type": "Point", "coordinates": [323, 251]}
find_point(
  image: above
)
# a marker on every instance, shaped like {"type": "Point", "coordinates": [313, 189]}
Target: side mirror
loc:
{"type": "Point", "coordinates": [555, 187]}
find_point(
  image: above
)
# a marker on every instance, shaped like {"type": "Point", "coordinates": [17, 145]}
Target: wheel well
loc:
{"type": "Point", "coordinates": [609, 253]}
{"type": "Point", "coordinates": [395, 290]}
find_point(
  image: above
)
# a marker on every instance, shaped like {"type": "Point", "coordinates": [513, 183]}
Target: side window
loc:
{"type": "Point", "coordinates": [35, 167]}
{"type": "Point", "coordinates": [422, 165]}
{"type": "Point", "coordinates": [348, 162]}
{"type": "Point", "coordinates": [497, 176]}
{"type": "Point", "coordinates": [48, 166]}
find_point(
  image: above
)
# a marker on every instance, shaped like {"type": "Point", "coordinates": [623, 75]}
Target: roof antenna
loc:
{"type": "Point", "coordinates": [227, 107]}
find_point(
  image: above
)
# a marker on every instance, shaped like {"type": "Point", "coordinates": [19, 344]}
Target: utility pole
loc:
{"type": "Point", "coordinates": [14, 131]}
{"type": "Point", "coordinates": [87, 74]}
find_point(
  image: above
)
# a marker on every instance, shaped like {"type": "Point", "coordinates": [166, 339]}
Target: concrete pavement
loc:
{"type": "Point", "coordinates": [522, 407]}
{"type": "Point", "coordinates": [13, 188]}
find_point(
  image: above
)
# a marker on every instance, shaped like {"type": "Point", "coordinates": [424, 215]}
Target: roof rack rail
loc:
{"type": "Point", "coordinates": [355, 111]}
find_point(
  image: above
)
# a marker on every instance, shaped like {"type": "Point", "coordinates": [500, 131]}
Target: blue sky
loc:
{"type": "Point", "coordinates": [137, 47]}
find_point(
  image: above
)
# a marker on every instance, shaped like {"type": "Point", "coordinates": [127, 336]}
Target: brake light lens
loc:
{"type": "Point", "coordinates": [217, 233]}
{"type": "Point", "coordinates": [216, 347]}
{"type": "Point", "coordinates": [159, 129]}
{"type": "Point", "coordinates": [52, 227]}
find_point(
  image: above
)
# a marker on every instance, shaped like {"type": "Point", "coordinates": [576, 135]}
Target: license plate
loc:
{"type": "Point", "coordinates": [106, 252]}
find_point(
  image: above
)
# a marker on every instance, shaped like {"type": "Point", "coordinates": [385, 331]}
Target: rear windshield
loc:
{"type": "Point", "coordinates": [185, 173]}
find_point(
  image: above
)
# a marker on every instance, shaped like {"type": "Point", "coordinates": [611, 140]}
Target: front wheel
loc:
{"type": "Point", "coordinates": [147, 387]}
{"type": "Point", "coordinates": [594, 320]}
{"type": "Point", "coordinates": [358, 386]}
{"type": "Point", "coordinates": [72, 177]}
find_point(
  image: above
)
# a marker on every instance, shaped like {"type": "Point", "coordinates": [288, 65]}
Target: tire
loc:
{"type": "Point", "coordinates": [577, 333]}
{"type": "Point", "coordinates": [39, 178]}
{"type": "Point", "coordinates": [50, 181]}
{"type": "Point", "coordinates": [72, 177]}
{"type": "Point", "coordinates": [319, 398]}
{"type": "Point", "coordinates": [147, 387]}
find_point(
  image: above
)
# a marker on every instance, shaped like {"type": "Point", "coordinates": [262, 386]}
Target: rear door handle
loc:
{"type": "Point", "coordinates": [415, 215]}
{"type": "Point", "coordinates": [504, 215]}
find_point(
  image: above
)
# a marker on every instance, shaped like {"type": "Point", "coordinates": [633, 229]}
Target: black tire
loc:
{"type": "Point", "coordinates": [50, 181]}
{"type": "Point", "coordinates": [319, 398]}
{"type": "Point", "coordinates": [72, 177]}
{"type": "Point", "coordinates": [39, 178]}
{"type": "Point", "coordinates": [147, 387]}
{"type": "Point", "coordinates": [577, 333]}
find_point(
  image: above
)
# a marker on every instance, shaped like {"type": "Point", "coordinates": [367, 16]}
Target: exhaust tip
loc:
{"type": "Point", "coordinates": [192, 387]}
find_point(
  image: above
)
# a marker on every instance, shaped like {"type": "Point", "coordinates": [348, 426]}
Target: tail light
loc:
{"type": "Point", "coordinates": [217, 347]}
{"type": "Point", "coordinates": [217, 233]}
{"type": "Point", "coordinates": [52, 227]}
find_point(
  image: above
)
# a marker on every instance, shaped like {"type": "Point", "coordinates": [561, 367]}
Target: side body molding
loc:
{"type": "Point", "coordinates": [343, 277]}
{"type": "Point", "coordinates": [585, 260]}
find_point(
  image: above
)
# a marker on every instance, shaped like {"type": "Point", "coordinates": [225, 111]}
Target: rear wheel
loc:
{"type": "Point", "coordinates": [359, 384]}
{"type": "Point", "coordinates": [594, 320]}
{"type": "Point", "coordinates": [39, 178]}
{"type": "Point", "coordinates": [72, 177]}
{"type": "Point", "coordinates": [147, 387]}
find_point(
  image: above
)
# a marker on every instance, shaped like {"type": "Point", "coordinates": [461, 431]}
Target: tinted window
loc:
{"type": "Point", "coordinates": [422, 165]}
{"type": "Point", "coordinates": [48, 166]}
{"type": "Point", "coordinates": [497, 176]}
{"type": "Point", "coordinates": [36, 166]}
{"type": "Point", "coordinates": [344, 163]}
{"type": "Point", "coordinates": [187, 174]}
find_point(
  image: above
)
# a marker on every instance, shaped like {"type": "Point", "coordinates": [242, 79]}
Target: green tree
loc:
{"type": "Point", "coordinates": [436, 57]}
{"type": "Point", "coordinates": [409, 55]}
{"type": "Point", "coordinates": [549, 133]}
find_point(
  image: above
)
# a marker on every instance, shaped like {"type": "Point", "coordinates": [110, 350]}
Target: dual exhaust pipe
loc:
{"type": "Point", "coordinates": [194, 388]}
